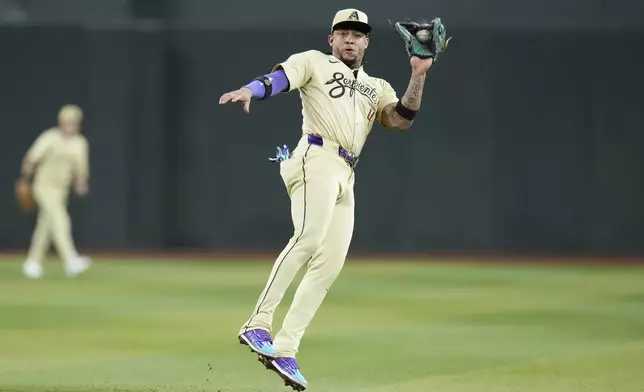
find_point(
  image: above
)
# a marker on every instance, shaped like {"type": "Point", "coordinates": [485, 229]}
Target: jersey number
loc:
{"type": "Point", "coordinates": [371, 114]}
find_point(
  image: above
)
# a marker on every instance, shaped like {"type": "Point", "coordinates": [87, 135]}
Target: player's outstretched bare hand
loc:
{"type": "Point", "coordinates": [243, 96]}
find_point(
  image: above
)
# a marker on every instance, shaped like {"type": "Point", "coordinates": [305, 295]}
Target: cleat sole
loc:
{"type": "Point", "coordinates": [287, 381]}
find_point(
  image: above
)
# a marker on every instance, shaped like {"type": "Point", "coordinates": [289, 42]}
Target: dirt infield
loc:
{"type": "Point", "coordinates": [438, 257]}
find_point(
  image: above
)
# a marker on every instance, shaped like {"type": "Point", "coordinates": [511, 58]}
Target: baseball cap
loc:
{"type": "Point", "coordinates": [352, 19]}
{"type": "Point", "coordinates": [70, 113]}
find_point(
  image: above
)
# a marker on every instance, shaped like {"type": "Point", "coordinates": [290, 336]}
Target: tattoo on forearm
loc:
{"type": "Point", "coordinates": [413, 95]}
{"type": "Point", "coordinates": [414, 92]}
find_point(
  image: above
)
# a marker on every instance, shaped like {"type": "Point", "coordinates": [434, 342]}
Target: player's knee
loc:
{"type": "Point", "coordinates": [308, 244]}
{"type": "Point", "coordinates": [328, 268]}
{"type": "Point", "coordinates": [327, 275]}
{"type": "Point", "coordinates": [333, 271]}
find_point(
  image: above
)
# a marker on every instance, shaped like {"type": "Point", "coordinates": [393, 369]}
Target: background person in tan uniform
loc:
{"type": "Point", "coordinates": [340, 103]}
{"type": "Point", "coordinates": [57, 159]}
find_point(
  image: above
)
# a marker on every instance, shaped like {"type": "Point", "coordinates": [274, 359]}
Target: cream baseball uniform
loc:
{"type": "Point", "coordinates": [59, 159]}
{"type": "Point", "coordinates": [339, 105]}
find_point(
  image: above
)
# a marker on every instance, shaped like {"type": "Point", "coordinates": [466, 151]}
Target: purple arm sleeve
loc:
{"type": "Point", "coordinates": [280, 84]}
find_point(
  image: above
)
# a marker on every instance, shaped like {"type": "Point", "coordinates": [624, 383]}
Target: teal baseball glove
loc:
{"type": "Point", "coordinates": [424, 40]}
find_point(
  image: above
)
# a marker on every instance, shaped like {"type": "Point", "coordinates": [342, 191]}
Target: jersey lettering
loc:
{"type": "Point", "coordinates": [341, 83]}
{"type": "Point", "coordinates": [338, 104]}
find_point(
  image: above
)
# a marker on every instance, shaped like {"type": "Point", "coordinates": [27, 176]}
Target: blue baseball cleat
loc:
{"type": "Point", "coordinates": [260, 342]}
{"type": "Point", "coordinates": [288, 369]}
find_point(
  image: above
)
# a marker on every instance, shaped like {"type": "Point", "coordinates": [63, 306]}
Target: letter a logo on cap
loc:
{"type": "Point", "coordinates": [354, 16]}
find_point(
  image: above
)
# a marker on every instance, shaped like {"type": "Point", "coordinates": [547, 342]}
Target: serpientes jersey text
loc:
{"type": "Point", "coordinates": [338, 103]}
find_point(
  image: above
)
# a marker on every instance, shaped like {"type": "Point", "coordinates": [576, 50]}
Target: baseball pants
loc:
{"type": "Point", "coordinates": [53, 224]}
{"type": "Point", "coordinates": [320, 186]}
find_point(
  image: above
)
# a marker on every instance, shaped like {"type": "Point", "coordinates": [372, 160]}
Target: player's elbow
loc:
{"type": "Point", "coordinates": [405, 126]}
{"type": "Point", "coordinates": [401, 126]}
{"type": "Point", "coordinates": [395, 122]}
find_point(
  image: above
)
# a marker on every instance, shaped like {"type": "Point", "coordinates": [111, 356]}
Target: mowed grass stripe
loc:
{"type": "Point", "coordinates": [171, 326]}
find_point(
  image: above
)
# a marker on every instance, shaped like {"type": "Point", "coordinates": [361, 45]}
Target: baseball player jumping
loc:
{"type": "Point", "coordinates": [340, 103]}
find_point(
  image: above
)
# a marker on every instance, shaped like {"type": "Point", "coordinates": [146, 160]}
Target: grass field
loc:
{"type": "Point", "coordinates": [159, 326]}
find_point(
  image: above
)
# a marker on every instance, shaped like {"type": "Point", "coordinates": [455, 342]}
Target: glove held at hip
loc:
{"type": "Point", "coordinates": [23, 196]}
